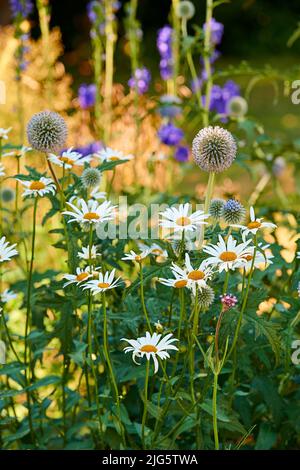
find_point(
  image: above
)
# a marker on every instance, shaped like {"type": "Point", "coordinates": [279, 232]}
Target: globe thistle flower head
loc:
{"type": "Point", "coordinates": [216, 208]}
{"type": "Point", "coordinates": [91, 177]}
{"type": "Point", "coordinates": [185, 10]}
{"type": "Point", "coordinates": [47, 131]}
{"type": "Point", "coordinates": [7, 195]}
{"type": "Point", "coordinates": [233, 212]}
{"type": "Point", "coordinates": [214, 149]}
{"type": "Point", "coordinates": [237, 107]}
{"type": "Point", "coordinates": [205, 297]}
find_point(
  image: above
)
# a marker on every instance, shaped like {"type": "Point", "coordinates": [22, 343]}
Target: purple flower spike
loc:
{"type": "Point", "coordinates": [164, 45]}
{"type": "Point", "coordinates": [216, 31]}
{"type": "Point", "coordinates": [182, 154]}
{"type": "Point", "coordinates": [23, 8]}
{"type": "Point", "coordinates": [170, 134]}
{"type": "Point", "coordinates": [87, 95]}
{"type": "Point", "coordinates": [140, 80]}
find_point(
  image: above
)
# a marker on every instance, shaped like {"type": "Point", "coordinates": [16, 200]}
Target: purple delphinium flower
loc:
{"type": "Point", "coordinates": [164, 45]}
{"type": "Point", "coordinates": [89, 149]}
{"type": "Point", "coordinates": [170, 134]}
{"type": "Point", "coordinates": [216, 31]}
{"type": "Point", "coordinates": [23, 8]}
{"type": "Point", "coordinates": [87, 95]}
{"type": "Point", "coordinates": [140, 80]}
{"type": "Point", "coordinates": [220, 96]}
{"type": "Point", "coordinates": [182, 153]}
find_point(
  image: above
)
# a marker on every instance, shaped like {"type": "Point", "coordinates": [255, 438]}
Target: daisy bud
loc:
{"type": "Point", "coordinates": [91, 177]}
{"type": "Point", "coordinates": [7, 195]}
{"type": "Point", "coordinates": [216, 208]}
{"type": "Point", "coordinates": [185, 10]}
{"type": "Point", "coordinates": [233, 212]}
{"type": "Point", "coordinates": [47, 131]}
{"type": "Point", "coordinates": [237, 107]}
{"type": "Point", "coordinates": [228, 301]}
{"type": "Point", "coordinates": [214, 149]}
{"type": "Point", "coordinates": [158, 326]}
{"type": "Point", "coordinates": [206, 297]}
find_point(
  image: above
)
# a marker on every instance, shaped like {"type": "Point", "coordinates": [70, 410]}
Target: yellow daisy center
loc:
{"type": "Point", "coordinates": [248, 257]}
{"type": "Point", "coordinates": [183, 221]}
{"type": "Point", "coordinates": [80, 277]}
{"type": "Point", "coordinates": [114, 158]}
{"type": "Point", "coordinates": [37, 185]}
{"type": "Point", "coordinates": [148, 348]}
{"type": "Point", "coordinates": [103, 285]}
{"type": "Point", "coordinates": [66, 160]}
{"type": "Point", "coordinates": [180, 284]}
{"type": "Point", "coordinates": [254, 224]}
{"type": "Point", "coordinates": [138, 258]}
{"type": "Point", "coordinates": [228, 256]}
{"type": "Point", "coordinates": [91, 216]}
{"type": "Point", "coordinates": [196, 275]}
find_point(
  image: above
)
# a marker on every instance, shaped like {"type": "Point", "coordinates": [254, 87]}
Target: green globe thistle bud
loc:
{"type": "Point", "coordinates": [237, 107]}
{"type": "Point", "coordinates": [216, 208]}
{"type": "Point", "coordinates": [7, 195]}
{"type": "Point", "coordinates": [47, 131]}
{"type": "Point", "coordinates": [185, 10]}
{"type": "Point", "coordinates": [214, 149]}
{"type": "Point", "coordinates": [233, 212]}
{"type": "Point", "coordinates": [206, 296]}
{"type": "Point", "coordinates": [91, 177]}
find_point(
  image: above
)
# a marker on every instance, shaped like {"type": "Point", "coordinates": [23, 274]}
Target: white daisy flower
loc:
{"type": "Point", "coordinates": [151, 346]}
{"type": "Point", "coordinates": [85, 253]}
{"type": "Point", "coordinates": [96, 194]}
{"type": "Point", "coordinates": [110, 155]}
{"type": "Point", "coordinates": [69, 158]}
{"type": "Point", "coordinates": [133, 256]}
{"type": "Point", "coordinates": [261, 261]}
{"type": "Point", "coordinates": [91, 212]}
{"type": "Point", "coordinates": [228, 254]}
{"type": "Point", "coordinates": [4, 133]}
{"type": "Point", "coordinates": [103, 283]}
{"type": "Point", "coordinates": [38, 187]}
{"type": "Point", "coordinates": [179, 219]}
{"type": "Point", "coordinates": [80, 276]}
{"type": "Point", "coordinates": [2, 170]}
{"type": "Point", "coordinates": [254, 225]}
{"type": "Point", "coordinates": [17, 152]}
{"type": "Point", "coordinates": [7, 251]}
{"type": "Point", "coordinates": [154, 249]}
{"type": "Point", "coordinates": [178, 282]}
{"type": "Point", "coordinates": [7, 295]}
{"type": "Point", "coordinates": [196, 277]}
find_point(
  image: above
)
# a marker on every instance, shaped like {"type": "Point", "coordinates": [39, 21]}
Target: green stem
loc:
{"type": "Point", "coordinates": [207, 64]}
{"type": "Point", "coordinates": [208, 197]}
{"type": "Point", "coordinates": [175, 43]}
{"type": "Point", "coordinates": [143, 299]}
{"type": "Point", "coordinates": [10, 342]}
{"type": "Point", "coordinates": [192, 345]}
{"type": "Point", "coordinates": [189, 58]}
{"type": "Point", "coordinates": [109, 69]}
{"type": "Point", "coordinates": [144, 418]}
{"type": "Point", "coordinates": [244, 304]}
{"type": "Point", "coordinates": [110, 367]}
{"type": "Point", "coordinates": [28, 319]}
{"type": "Point", "coordinates": [215, 416]}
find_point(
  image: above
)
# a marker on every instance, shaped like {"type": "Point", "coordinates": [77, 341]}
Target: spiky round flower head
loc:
{"type": "Point", "coordinates": [216, 208]}
{"type": "Point", "coordinates": [7, 195]}
{"type": "Point", "coordinates": [91, 177]}
{"type": "Point", "coordinates": [237, 107]}
{"type": "Point", "coordinates": [185, 9]}
{"type": "Point", "coordinates": [206, 296]}
{"type": "Point", "coordinates": [214, 149]}
{"type": "Point", "coordinates": [233, 212]}
{"type": "Point", "coordinates": [47, 131]}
